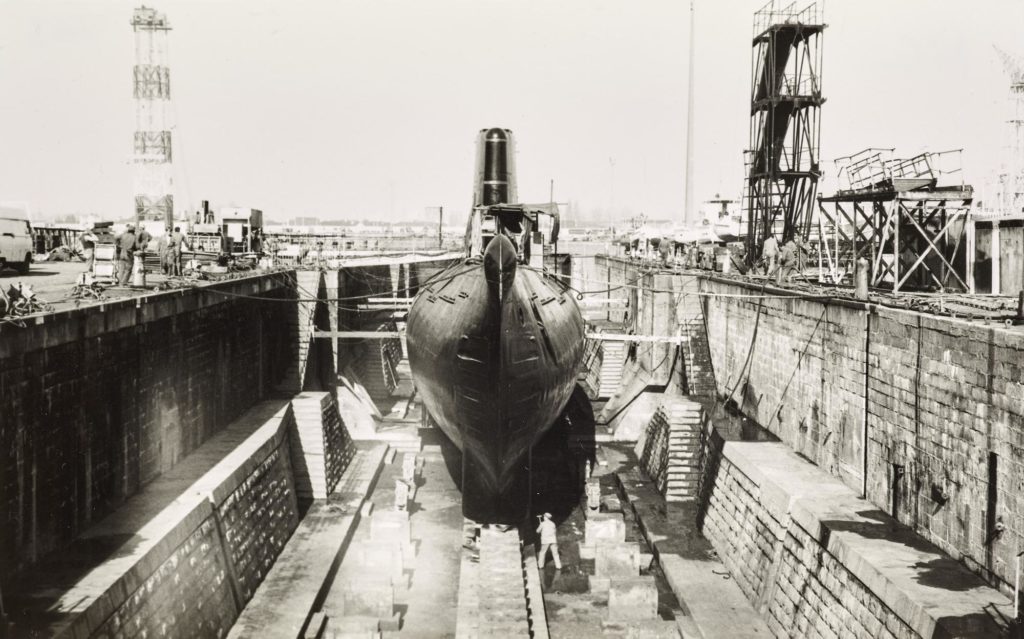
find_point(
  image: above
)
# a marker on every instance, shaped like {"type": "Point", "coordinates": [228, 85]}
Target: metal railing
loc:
{"type": "Point", "coordinates": [775, 12]}
{"type": "Point", "coordinates": [863, 169]}
{"type": "Point", "coordinates": [876, 168]}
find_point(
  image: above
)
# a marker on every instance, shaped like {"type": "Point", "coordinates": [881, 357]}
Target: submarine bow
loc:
{"type": "Point", "coordinates": [495, 347]}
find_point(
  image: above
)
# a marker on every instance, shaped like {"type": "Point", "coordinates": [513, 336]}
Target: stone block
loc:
{"type": "Point", "coordinates": [385, 558]}
{"type": "Point", "coordinates": [353, 627]}
{"type": "Point", "coordinates": [390, 526]}
{"type": "Point", "coordinates": [598, 584]}
{"type": "Point", "coordinates": [603, 528]}
{"type": "Point", "coordinates": [392, 623]}
{"type": "Point", "coordinates": [632, 599]}
{"type": "Point", "coordinates": [650, 629]}
{"type": "Point", "coordinates": [611, 504]}
{"type": "Point", "coordinates": [409, 468]}
{"type": "Point", "coordinates": [370, 596]}
{"type": "Point", "coordinates": [617, 560]}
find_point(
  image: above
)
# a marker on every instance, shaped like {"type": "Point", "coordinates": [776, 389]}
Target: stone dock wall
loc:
{"type": "Point", "coordinates": [929, 409]}
{"type": "Point", "coordinates": [816, 560]}
{"type": "Point", "coordinates": [938, 400]}
{"type": "Point", "coordinates": [99, 401]}
{"type": "Point", "coordinates": [197, 579]}
{"type": "Point", "coordinates": [190, 570]}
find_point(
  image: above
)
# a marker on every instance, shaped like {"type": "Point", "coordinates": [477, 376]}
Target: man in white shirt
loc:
{"type": "Point", "coordinates": [548, 540]}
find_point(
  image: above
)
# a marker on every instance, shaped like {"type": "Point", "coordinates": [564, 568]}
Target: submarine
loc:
{"type": "Point", "coordinates": [495, 341]}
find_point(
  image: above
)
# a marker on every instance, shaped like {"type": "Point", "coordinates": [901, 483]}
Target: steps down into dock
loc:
{"type": "Point", "coordinates": [611, 368]}
{"type": "Point", "coordinates": [492, 588]}
{"type": "Point", "coordinates": [669, 448]}
{"type": "Point", "coordinates": [378, 365]}
{"type": "Point", "coordinates": [684, 419]}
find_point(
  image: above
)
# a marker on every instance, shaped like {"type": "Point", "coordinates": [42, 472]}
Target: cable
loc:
{"type": "Point", "coordinates": [313, 298]}
{"type": "Point", "coordinates": [750, 351]}
{"type": "Point", "coordinates": [799, 361]}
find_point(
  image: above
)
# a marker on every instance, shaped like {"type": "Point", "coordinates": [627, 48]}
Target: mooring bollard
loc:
{"type": "Point", "coordinates": [861, 279]}
{"type": "Point", "coordinates": [138, 271]}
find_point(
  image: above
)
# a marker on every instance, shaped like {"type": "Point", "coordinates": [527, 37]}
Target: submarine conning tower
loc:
{"type": "Point", "coordinates": [495, 168]}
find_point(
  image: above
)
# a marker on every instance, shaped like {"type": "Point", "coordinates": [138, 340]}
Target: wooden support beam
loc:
{"type": "Point", "coordinates": [602, 337]}
{"type": "Point", "coordinates": [623, 337]}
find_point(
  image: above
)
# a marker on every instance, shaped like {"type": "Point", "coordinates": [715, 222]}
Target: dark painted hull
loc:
{"type": "Point", "coordinates": [494, 366]}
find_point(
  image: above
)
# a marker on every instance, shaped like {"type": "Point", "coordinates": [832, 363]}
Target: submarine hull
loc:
{"type": "Point", "coordinates": [494, 361]}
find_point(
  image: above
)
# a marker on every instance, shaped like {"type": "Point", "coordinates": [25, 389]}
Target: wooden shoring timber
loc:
{"type": "Point", "coordinates": [602, 337]}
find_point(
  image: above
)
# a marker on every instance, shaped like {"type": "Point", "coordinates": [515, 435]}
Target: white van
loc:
{"type": "Point", "coordinates": [15, 239]}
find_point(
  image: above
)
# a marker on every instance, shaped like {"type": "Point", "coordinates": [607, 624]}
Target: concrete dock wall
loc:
{"type": "Point", "coordinates": [99, 401]}
{"type": "Point", "coordinates": [941, 401]}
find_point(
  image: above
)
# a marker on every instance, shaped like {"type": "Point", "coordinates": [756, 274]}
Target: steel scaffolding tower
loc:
{"type": "Point", "coordinates": [782, 158]}
{"type": "Point", "coordinates": [154, 199]}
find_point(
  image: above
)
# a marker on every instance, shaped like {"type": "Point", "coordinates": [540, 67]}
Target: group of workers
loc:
{"type": "Point", "coordinates": [782, 263]}
{"type": "Point", "coordinates": [785, 262]}
{"type": "Point", "coordinates": [169, 247]}
{"type": "Point", "coordinates": [129, 243]}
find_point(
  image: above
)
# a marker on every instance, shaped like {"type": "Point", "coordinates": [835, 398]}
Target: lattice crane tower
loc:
{"type": "Point", "coordinates": [154, 197]}
{"type": "Point", "coordinates": [1012, 180]}
{"type": "Point", "coordinates": [782, 161]}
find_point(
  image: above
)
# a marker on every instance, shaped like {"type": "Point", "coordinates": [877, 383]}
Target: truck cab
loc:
{"type": "Point", "coordinates": [15, 239]}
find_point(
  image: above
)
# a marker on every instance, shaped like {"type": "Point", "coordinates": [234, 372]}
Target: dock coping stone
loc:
{"type": "Point", "coordinates": [887, 557]}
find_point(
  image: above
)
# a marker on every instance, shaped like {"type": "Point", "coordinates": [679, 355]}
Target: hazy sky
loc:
{"type": "Point", "coordinates": [369, 108]}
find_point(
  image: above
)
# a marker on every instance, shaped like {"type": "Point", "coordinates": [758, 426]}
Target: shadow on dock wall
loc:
{"type": "Point", "coordinates": [97, 403]}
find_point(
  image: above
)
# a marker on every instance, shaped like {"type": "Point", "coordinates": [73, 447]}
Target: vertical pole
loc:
{"type": "Point", "coordinates": [969, 229]}
{"type": "Point", "coordinates": [608, 292]}
{"type": "Point", "coordinates": [688, 210]}
{"type": "Point", "coordinates": [1017, 586]}
{"type": "Point", "coordinates": [896, 247]}
{"type": "Point", "coordinates": [554, 248]}
{"type": "Point", "coordinates": [997, 285]}
{"type": "Point", "coordinates": [440, 226]}
{"type": "Point", "coordinates": [867, 383]}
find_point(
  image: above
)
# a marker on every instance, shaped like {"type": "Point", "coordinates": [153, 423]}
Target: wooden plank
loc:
{"type": "Point", "coordinates": [603, 337]}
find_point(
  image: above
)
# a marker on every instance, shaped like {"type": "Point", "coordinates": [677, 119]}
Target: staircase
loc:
{"type": "Point", "coordinates": [611, 368]}
{"type": "Point", "coordinates": [589, 376]}
{"type": "Point", "coordinates": [685, 420]}
{"type": "Point", "coordinates": [378, 366]}
{"type": "Point", "coordinates": [492, 593]}
{"type": "Point", "coordinates": [700, 377]}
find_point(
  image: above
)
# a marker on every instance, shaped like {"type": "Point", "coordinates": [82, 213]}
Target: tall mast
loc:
{"type": "Point", "coordinates": [688, 213]}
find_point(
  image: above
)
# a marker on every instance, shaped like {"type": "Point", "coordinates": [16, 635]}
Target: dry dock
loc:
{"type": "Point", "coordinates": [223, 460]}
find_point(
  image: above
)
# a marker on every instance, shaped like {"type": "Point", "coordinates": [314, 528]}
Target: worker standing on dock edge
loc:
{"type": "Point", "coordinates": [125, 245]}
{"type": "Point", "coordinates": [770, 254]}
